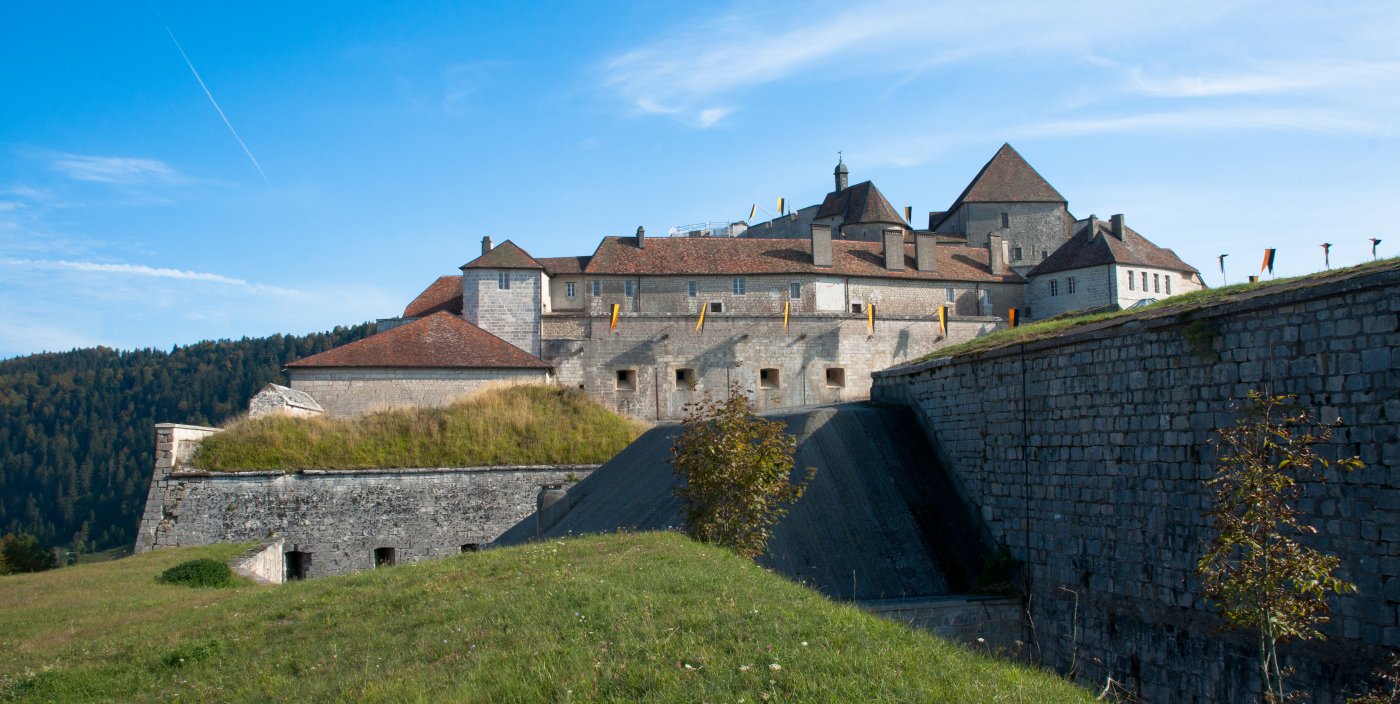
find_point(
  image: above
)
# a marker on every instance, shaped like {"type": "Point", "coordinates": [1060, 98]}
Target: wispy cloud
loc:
{"type": "Point", "coordinates": [1280, 78]}
{"type": "Point", "coordinates": [116, 170]}
{"type": "Point", "coordinates": [1224, 119]}
{"type": "Point", "coordinates": [149, 271]}
{"type": "Point", "coordinates": [461, 81]}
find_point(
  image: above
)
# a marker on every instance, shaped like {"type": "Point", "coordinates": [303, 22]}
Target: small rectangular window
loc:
{"type": "Point", "coordinates": [1132, 284]}
{"type": "Point", "coordinates": [768, 378]}
{"type": "Point", "coordinates": [503, 280]}
{"type": "Point", "coordinates": [383, 557]}
{"type": "Point", "coordinates": [1069, 285]}
{"type": "Point", "coordinates": [857, 308]}
{"type": "Point", "coordinates": [685, 379]}
{"type": "Point", "coordinates": [717, 307]}
{"type": "Point", "coordinates": [629, 288]}
{"type": "Point", "coordinates": [1144, 282]}
{"type": "Point", "coordinates": [948, 295]}
{"type": "Point", "coordinates": [1016, 254]}
{"type": "Point", "coordinates": [1167, 279]}
{"type": "Point", "coordinates": [1043, 254]}
{"type": "Point", "coordinates": [835, 378]}
{"type": "Point", "coordinates": [1006, 221]}
{"type": "Point", "coordinates": [471, 547]}
{"type": "Point", "coordinates": [570, 289]}
{"type": "Point", "coordinates": [1054, 287]}
{"type": "Point", "coordinates": [794, 291]}
{"type": "Point", "coordinates": [691, 289]}
{"type": "Point", "coordinates": [738, 285]}
{"type": "Point", "coordinates": [1156, 283]}
{"type": "Point", "coordinates": [597, 288]}
{"type": "Point", "coordinates": [627, 380]}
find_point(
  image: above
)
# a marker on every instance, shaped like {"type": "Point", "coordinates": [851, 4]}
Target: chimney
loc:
{"type": "Point", "coordinates": [996, 254]}
{"type": "Point", "coordinates": [925, 256]}
{"type": "Point", "coordinates": [1117, 221]}
{"type": "Point", "coordinates": [641, 237]}
{"type": "Point", "coordinates": [894, 249]}
{"type": "Point", "coordinates": [1093, 226]}
{"type": "Point", "coordinates": [841, 174]}
{"type": "Point", "coordinates": [486, 244]}
{"type": "Point", "coordinates": [821, 245]}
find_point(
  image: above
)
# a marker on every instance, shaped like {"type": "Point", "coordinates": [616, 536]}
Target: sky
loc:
{"type": "Point", "coordinates": [174, 172]}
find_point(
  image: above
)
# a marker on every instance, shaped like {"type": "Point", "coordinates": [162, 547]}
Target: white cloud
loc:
{"type": "Point", "coordinates": [124, 171]}
{"type": "Point", "coordinates": [148, 271]}
{"type": "Point", "coordinates": [1279, 78]}
{"type": "Point", "coordinates": [1224, 119]}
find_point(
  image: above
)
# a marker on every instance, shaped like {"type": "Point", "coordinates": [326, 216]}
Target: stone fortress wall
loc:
{"type": "Point", "coordinates": [336, 522]}
{"type": "Point", "coordinates": [1085, 454]}
{"type": "Point", "coordinates": [353, 392]}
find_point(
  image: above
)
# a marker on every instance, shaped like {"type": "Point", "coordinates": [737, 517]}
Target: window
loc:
{"type": "Point", "coordinates": [835, 378]}
{"type": "Point", "coordinates": [383, 557]}
{"type": "Point", "coordinates": [685, 379]}
{"type": "Point", "coordinates": [717, 307]}
{"type": "Point", "coordinates": [738, 285]}
{"type": "Point", "coordinates": [768, 378]}
{"type": "Point", "coordinates": [597, 288]}
{"type": "Point", "coordinates": [471, 547]}
{"type": "Point", "coordinates": [984, 302]}
{"type": "Point", "coordinates": [1131, 285]}
{"type": "Point", "coordinates": [1167, 279]}
{"type": "Point", "coordinates": [1016, 253]}
{"type": "Point", "coordinates": [503, 280]}
{"type": "Point", "coordinates": [1006, 221]}
{"type": "Point", "coordinates": [1144, 282]}
{"type": "Point", "coordinates": [1156, 283]}
{"type": "Point", "coordinates": [1069, 285]}
{"type": "Point", "coordinates": [627, 380]}
{"type": "Point", "coordinates": [691, 289]}
{"type": "Point", "coordinates": [570, 289]}
{"type": "Point", "coordinates": [297, 564]}
{"type": "Point", "coordinates": [948, 295]}
{"type": "Point", "coordinates": [1043, 254]}
{"type": "Point", "coordinates": [857, 308]}
{"type": "Point", "coordinates": [629, 287]}
{"type": "Point", "coordinates": [1054, 287]}
{"type": "Point", "coordinates": [795, 291]}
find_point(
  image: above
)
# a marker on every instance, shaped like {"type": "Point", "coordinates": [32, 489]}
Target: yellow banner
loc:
{"type": "Point", "coordinates": [943, 319]}
{"type": "Point", "coordinates": [786, 307]}
{"type": "Point", "coordinates": [614, 317]}
{"type": "Point", "coordinates": [781, 203]}
{"type": "Point", "coordinates": [701, 324]}
{"type": "Point", "coordinates": [870, 313]}
{"type": "Point", "coordinates": [908, 213]}
{"type": "Point", "coordinates": [753, 211]}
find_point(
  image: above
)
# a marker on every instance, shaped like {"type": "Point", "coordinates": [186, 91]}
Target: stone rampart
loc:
{"type": "Point", "coordinates": [1086, 455]}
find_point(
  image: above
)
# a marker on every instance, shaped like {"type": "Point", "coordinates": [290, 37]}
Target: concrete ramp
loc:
{"type": "Point", "coordinates": [879, 520]}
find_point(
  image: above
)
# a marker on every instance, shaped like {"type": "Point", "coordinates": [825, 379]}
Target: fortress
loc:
{"type": "Point", "coordinates": [797, 311]}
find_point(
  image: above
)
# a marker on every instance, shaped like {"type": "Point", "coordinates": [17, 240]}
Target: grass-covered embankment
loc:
{"type": "Point", "coordinates": [647, 617]}
{"type": "Point", "coordinates": [514, 425]}
{"type": "Point", "coordinates": [1175, 304]}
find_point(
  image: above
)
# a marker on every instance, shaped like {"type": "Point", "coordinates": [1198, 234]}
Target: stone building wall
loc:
{"type": "Point", "coordinates": [1085, 455]}
{"type": "Point", "coordinates": [735, 349]}
{"type": "Point", "coordinates": [1034, 227]}
{"type": "Point", "coordinates": [337, 519]}
{"type": "Point", "coordinates": [1100, 286]}
{"type": "Point", "coordinates": [353, 392]}
{"type": "Point", "coordinates": [512, 314]}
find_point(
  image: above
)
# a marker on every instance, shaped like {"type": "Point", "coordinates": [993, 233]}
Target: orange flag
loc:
{"type": "Point", "coordinates": [1011, 313]}
{"type": "Point", "coordinates": [614, 317]}
{"type": "Point", "coordinates": [700, 325]}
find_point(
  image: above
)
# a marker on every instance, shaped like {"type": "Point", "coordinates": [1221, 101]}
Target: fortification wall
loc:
{"type": "Point", "coordinates": [353, 392]}
{"type": "Point", "coordinates": [1086, 454]}
{"type": "Point", "coordinates": [336, 520]}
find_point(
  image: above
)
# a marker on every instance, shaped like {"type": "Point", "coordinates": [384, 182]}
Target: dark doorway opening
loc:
{"type": "Point", "coordinates": [296, 564]}
{"type": "Point", "coordinates": [383, 557]}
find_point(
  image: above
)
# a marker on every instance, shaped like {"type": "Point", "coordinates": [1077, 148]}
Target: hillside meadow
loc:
{"type": "Point", "coordinates": [644, 617]}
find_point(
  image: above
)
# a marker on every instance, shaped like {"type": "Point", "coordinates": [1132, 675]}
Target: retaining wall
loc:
{"type": "Point", "coordinates": [1086, 455]}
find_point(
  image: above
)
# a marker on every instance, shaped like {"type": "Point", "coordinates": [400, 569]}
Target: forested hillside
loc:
{"type": "Point", "coordinates": [76, 443]}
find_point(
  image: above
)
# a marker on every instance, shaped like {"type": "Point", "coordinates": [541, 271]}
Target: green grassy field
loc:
{"type": "Point", "coordinates": [646, 617]}
{"type": "Point", "coordinates": [508, 425]}
{"type": "Point", "coordinates": [1182, 303]}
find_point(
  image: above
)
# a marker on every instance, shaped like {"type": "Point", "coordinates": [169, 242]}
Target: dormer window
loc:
{"type": "Point", "coordinates": [503, 280]}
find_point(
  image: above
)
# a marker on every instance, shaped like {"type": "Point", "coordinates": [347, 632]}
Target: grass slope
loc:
{"type": "Point", "coordinates": [508, 425]}
{"type": "Point", "coordinates": [646, 617]}
{"type": "Point", "coordinates": [1181, 303]}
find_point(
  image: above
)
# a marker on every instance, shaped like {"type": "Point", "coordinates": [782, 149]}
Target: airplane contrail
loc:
{"type": "Point", "coordinates": [212, 101]}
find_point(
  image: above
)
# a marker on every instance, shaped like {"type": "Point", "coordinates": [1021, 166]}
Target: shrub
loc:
{"type": "Point", "coordinates": [191, 654]}
{"type": "Point", "coordinates": [199, 573]}
{"type": "Point", "coordinates": [737, 471]}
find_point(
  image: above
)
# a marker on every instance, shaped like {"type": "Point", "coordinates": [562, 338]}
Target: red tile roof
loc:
{"type": "Point", "coordinates": [506, 255]}
{"type": "Point", "coordinates": [861, 203]}
{"type": "Point", "coordinates": [439, 341]}
{"type": "Point", "coordinates": [1085, 249]}
{"type": "Point", "coordinates": [1007, 178]}
{"type": "Point", "coordinates": [443, 294]}
{"type": "Point", "coordinates": [555, 266]}
{"type": "Point", "coordinates": [742, 255]}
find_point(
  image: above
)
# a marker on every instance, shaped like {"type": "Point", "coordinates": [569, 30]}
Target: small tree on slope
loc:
{"type": "Point", "coordinates": [736, 471]}
{"type": "Point", "coordinates": [1257, 571]}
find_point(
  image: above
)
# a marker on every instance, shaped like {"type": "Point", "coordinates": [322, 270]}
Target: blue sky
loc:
{"type": "Point", "coordinates": [352, 152]}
